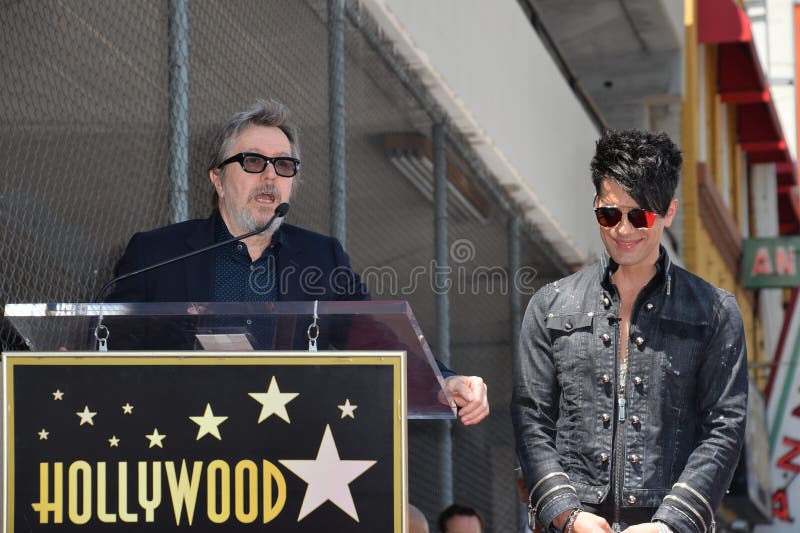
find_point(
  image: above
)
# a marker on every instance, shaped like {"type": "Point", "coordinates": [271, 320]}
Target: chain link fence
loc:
{"type": "Point", "coordinates": [88, 147]}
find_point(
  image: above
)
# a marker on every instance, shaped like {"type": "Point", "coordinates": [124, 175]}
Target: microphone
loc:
{"type": "Point", "coordinates": [280, 212]}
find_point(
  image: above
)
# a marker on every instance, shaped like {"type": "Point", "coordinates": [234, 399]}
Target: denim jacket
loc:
{"type": "Point", "coordinates": [673, 442]}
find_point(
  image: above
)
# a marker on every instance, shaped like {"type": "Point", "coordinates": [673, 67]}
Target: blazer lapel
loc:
{"type": "Point", "coordinates": [288, 273]}
{"type": "Point", "coordinates": [200, 270]}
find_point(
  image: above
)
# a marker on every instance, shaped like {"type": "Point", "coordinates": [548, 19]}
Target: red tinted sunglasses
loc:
{"type": "Point", "coordinates": [609, 216]}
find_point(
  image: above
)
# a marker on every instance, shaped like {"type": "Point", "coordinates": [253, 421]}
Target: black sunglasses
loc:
{"type": "Point", "coordinates": [254, 163]}
{"type": "Point", "coordinates": [609, 216]}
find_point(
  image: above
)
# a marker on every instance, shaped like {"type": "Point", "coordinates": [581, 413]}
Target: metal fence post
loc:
{"type": "Point", "coordinates": [514, 297]}
{"type": "Point", "coordinates": [336, 113]}
{"type": "Point", "coordinates": [442, 287]}
{"type": "Point", "coordinates": [178, 110]}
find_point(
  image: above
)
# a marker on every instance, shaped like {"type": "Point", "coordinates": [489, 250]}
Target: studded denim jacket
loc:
{"type": "Point", "coordinates": [674, 440]}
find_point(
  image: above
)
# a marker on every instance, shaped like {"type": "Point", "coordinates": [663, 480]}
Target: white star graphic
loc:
{"type": "Point", "coordinates": [113, 442]}
{"type": "Point", "coordinates": [347, 409]}
{"type": "Point", "coordinates": [273, 402]}
{"type": "Point", "coordinates": [209, 424]}
{"type": "Point", "coordinates": [156, 439]}
{"type": "Point", "coordinates": [328, 477]}
{"type": "Point", "coordinates": [127, 409]}
{"type": "Point", "coordinates": [58, 395]}
{"type": "Point", "coordinates": [86, 416]}
{"type": "Point", "coordinates": [43, 434]}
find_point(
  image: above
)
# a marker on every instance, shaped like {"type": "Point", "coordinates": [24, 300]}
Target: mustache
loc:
{"type": "Point", "coordinates": [267, 189]}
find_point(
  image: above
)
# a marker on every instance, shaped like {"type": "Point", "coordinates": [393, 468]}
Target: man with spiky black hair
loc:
{"type": "Point", "coordinates": [630, 387]}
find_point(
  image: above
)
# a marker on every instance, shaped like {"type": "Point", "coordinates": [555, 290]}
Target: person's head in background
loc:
{"type": "Point", "coordinates": [417, 523]}
{"type": "Point", "coordinates": [460, 519]}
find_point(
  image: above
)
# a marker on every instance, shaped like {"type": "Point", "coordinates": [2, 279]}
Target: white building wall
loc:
{"type": "Point", "coordinates": [744, 192]}
{"type": "Point", "coordinates": [764, 184]}
{"type": "Point", "coordinates": [487, 67]}
{"type": "Point", "coordinates": [724, 168]}
{"type": "Point", "coordinates": [773, 33]}
{"type": "Point", "coordinates": [780, 17]}
{"type": "Point", "coordinates": [772, 23]}
{"type": "Point", "coordinates": [757, 12]}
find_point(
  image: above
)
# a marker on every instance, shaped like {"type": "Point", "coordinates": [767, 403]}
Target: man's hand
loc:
{"type": "Point", "coordinates": [647, 527]}
{"type": "Point", "coordinates": [469, 393]}
{"type": "Point", "coordinates": [587, 522]}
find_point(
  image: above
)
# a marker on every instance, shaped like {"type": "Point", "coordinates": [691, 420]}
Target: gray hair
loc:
{"type": "Point", "coordinates": [269, 113]}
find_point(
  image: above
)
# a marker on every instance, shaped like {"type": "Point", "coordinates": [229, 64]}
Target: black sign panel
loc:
{"type": "Point", "coordinates": [134, 442]}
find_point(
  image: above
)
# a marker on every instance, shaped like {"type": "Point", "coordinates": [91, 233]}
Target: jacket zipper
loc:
{"type": "Point", "coordinates": [698, 496]}
{"type": "Point", "coordinates": [533, 509]}
{"type": "Point", "coordinates": [618, 448]}
{"type": "Point", "coordinates": [703, 500]}
{"type": "Point", "coordinates": [686, 505]}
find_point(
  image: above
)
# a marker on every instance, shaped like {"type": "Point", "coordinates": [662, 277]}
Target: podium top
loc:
{"type": "Point", "coordinates": [234, 326]}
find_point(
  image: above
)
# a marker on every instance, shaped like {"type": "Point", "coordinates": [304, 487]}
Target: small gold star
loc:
{"type": "Point", "coordinates": [348, 408]}
{"type": "Point", "coordinates": [273, 402]}
{"type": "Point", "coordinates": [209, 424]}
{"type": "Point", "coordinates": [58, 395]}
{"type": "Point", "coordinates": [127, 409]}
{"type": "Point", "coordinates": [43, 434]}
{"type": "Point", "coordinates": [113, 442]}
{"type": "Point", "coordinates": [86, 416]}
{"type": "Point", "coordinates": [156, 439]}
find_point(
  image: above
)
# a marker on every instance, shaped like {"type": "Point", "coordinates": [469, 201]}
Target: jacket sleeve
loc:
{"type": "Point", "coordinates": [722, 406]}
{"type": "Point", "coordinates": [534, 413]}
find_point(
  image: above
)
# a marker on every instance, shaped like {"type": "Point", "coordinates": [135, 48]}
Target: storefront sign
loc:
{"type": "Point", "coordinates": [771, 262]}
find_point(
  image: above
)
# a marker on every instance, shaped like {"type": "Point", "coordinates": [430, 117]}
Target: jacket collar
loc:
{"type": "Point", "coordinates": [201, 278]}
{"type": "Point", "coordinates": [663, 270]}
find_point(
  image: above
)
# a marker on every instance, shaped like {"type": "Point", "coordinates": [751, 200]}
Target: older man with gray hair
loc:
{"type": "Point", "coordinates": [254, 167]}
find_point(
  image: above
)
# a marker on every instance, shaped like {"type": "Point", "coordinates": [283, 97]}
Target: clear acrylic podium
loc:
{"type": "Point", "coordinates": [273, 326]}
{"type": "Point", "coordinates": [219, 409]}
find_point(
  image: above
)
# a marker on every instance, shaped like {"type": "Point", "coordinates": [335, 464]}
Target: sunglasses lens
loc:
{"type": "Point", "coordinates": [254, 164]}
{"type": "Point", "coordinates": [640, 218]}
{"type": "Point", "coordinates": [608, 217]}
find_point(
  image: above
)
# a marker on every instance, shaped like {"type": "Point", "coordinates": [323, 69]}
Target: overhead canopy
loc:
{"type": "Point", "coordinates": [741, 81]}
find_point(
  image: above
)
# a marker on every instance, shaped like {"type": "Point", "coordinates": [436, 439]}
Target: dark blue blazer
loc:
{"type": "Point", "coordinates": [310, 266]}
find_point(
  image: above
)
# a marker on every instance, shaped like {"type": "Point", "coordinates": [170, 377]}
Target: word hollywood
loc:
{"type": "Point", "coordinates": [165, 443]}
{"type": "Point", "coordinates": [232, 491]}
